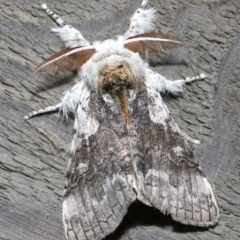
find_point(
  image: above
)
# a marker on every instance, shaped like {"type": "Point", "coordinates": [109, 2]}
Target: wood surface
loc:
{"type": "Point", "coordinates": [33, 154]}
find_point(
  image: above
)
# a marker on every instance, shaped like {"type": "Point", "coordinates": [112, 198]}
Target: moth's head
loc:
{"type": "Point", "coordinates": [114, 79]}
{"type": "Point", "coordinates": [115, 75]}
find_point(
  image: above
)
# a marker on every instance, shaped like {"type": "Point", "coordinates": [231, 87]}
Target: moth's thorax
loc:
{"type": "Point", "coordinates": [116, 81]}
{"type": "Point", "coordinates": [118, 72]}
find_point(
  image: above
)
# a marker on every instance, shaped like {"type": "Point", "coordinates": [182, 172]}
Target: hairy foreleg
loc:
{"type": "Point", "coordinates": [142, 21]}
{"type": "Point", "coordinates": [177, 85]}
{"type": "Point", "coordinates": [78, 94]}
{"type": "Point", "coordinates": [68, 34]}
{"type": "Point", "coordinates": [161, 84]}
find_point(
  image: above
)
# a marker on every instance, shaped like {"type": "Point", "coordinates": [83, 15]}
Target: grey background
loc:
{"type": "Point", "coordinates": [32, 154]}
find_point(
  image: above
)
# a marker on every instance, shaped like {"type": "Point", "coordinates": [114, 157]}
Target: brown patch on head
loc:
{"type": "Point", "coordinates": [116, 79]}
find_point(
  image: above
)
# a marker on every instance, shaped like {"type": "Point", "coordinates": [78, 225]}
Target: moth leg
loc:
{"type": "Point", "coordinates": [195, 78]}
{"type": "Point", "coordinates": [161, 84]}
{"type": "Point", "coordinates": [52, 15]}
{"type": "Point", "coordinates": [177, 85]}
{"type": "Point", "coordinates": [79, 93]}
{"type": "Point", "coordinates": [44, 111]}
{"type": "Point", "coordinates": [142, 21]}
{"type": "Point", "coordinates": [68, 34]}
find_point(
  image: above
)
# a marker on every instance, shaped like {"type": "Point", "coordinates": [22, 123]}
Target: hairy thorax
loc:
{"type": "Point", "coordinates": [116, 81]}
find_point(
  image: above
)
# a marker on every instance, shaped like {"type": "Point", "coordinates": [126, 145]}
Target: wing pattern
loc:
{"type": "Point", "coordinates": [117, 163]}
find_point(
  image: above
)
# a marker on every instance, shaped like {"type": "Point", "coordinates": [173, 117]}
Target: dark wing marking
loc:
{"type": "Point", "coordinates": [152, 41]}
{"type": "Point", "coordinates": [66, 60]}
{"type": "Point", "coordinates": [99, 176]}
{"type": "Point", "coordinates": [169, 178]}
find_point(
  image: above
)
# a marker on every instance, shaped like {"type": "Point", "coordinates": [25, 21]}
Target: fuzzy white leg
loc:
{"type": "Point", "coordinates": [142, 21]}
{"type": "Point", "coordinates": [69, 35]}
{"type": "Point", "coordinates": [161, 84]}
{"type": "Point", "coordinates": [176, 86]}
{"type": "Point", "coordinates": [43, 111]}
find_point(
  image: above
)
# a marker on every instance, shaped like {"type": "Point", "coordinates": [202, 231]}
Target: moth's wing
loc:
{"type": "Point", "coordinates": [169, 178]}
{"type": "Point", "coordinates": [100, 175]}
{"type": "Point", "coordinates": [66, 60]}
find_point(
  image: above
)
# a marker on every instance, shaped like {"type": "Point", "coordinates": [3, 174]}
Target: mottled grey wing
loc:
{"type": "Point", "coordinates": [99, 176]}
{"type": "Point", "coordinates": [168, 176]}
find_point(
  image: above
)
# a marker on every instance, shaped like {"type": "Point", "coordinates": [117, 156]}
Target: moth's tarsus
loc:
{"type": "Point", "coordinates": [196, 78]}
{"type": "Point", "coordinates": [52, 15]}
{"type": "Point", "coordinates": [125, 147]}
{"type": "Point", "coordinates": [144, 4]}
{"type": "Point", "coordinates": [43, 111]}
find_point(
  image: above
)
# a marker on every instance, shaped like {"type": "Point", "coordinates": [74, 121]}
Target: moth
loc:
{"type": "Point", "coordinates": [126, 146]}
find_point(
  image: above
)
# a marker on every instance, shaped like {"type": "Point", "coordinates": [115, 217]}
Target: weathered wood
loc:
{"type": "Point", "coordinates": [32, 154]}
